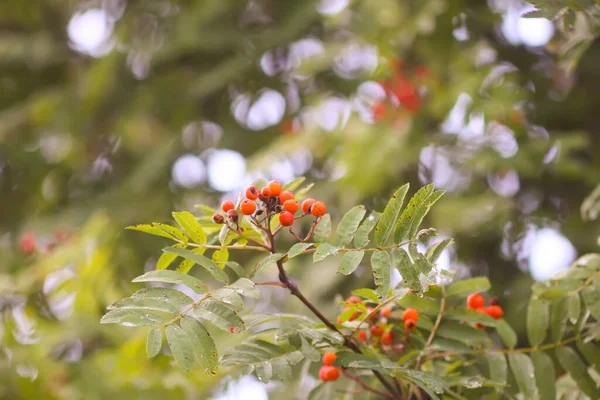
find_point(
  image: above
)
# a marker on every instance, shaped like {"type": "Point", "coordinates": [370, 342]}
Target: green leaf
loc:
{"type": "Point", "coordinates": [421, 263]}
{"type": "Point", "coordinates": [368, 294]}
{"type": "Point", "coordinates": [410, 275]}
{"type": "Point", "coordinates": [381, 265]}
{"type": "Point", "coordinates": [440, 344]}
{"type": "Point", "coordinates": [323, 251]}
{"type": "Point", "coordinates": [190, 226]}
{"type": "Point", "coordinates": [226, 236]}
{"type": "Point", "coordinates": [204, 347]}
{"type": "Point", "coordinates": [545, 376]}
{"type": "Point", "coordinates": [168, 276]}
{"type": "Point", "coordinates": [154, 342]}
{"type": "Point", "coordinates": [423, 304]}
{"type": "Point", "coordinates": [297, 249]}
{"type": "Point", "coordinates": [185, 266]}
{"type": "Point", "coordinates": [294, 183]}
{"type": "Point", "coordinates": [352, 360]}
{"type": "Point", "coordinates": [507, 333]}
{"type": "Point", "coordinates": [426, 381]}
{"type": "Point", "coordinates": [590, 352]}
{"type": "Point", "coordinates": [498, 367]}
{"type": "Point", "coordinates": [524, 373]}
{"type": "Point", "coordinates": [361, 239]}
{"type": "Point", "coordinates": [220, 315]}
{"type": "Point", "coordinates": [468, 286]}
{"type": "Point", "coordinates": [310, 353]}
{"type": "Point", "coordinates": [323, 229]}
{"type": "Point", "coordinates": [411, 213]}
{"type": "Point", "coordinates": [144, 304]}
{"type": "Point", "coordinates": [435, 250]}
{"type": "Point", "coordinates": [302, 192]}
{"type": "Point", "coordinates": [460, 332]}
{"type": "Point", "coordinates": [570, 361]}
{"type": "Point", "coordinates": [246, 288]}
{"type": "Point", "coordinates": [220, 256]}
{"type": "Point", "coordinates": [537, 321]}
{"type": "Point", "coordinates": [574, 308]}
{"type": "Point", "coordinates": [266, 262]}
{"type": "Point", "coordinates": [591, 298]}
{"type": "Point", "coordinates": [348, 226]}
{"type": "Point", "coordinates": [559, 313]}
{"type": "Point", "coordinates": [181, 348]}
{"type": "Point", "coordinates": [164, 294]}
{"type": "Point", "coordinates": [159, 229]}
{"type": "Point", "coordinates": [204, 262]}
{"type": "Point", "coordinates": [421, 211]}
{"type": "Point", "coordinates": [131, 318]}
{"type": "Point", "coordinates": [590, 208]}
{"type": "Point", "coordinates": [350, 261]}
{"type": "Point", "coordinates": [389, 218]}
{"type": "Point", "coordinates": [236, 267]}
{"type": "Point", "coordinates": [206, 209]}
{"type": "Point", "coordinates": [166, 259]}
{"type": "Point", "coordinates": [469, 315]}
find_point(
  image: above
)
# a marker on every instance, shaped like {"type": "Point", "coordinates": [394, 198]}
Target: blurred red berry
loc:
{"type": "Point", "coordinates": [475, 301]}
{"type": "Point", "coordinates": [385, 312]}
{"type": "Point", "coordinates": [388, 339]}
{"type": "Point", "coordinates": [410, 314]}
{"type": "Point", "coordinates": [27, 243]}
{"type": "Point", "coordinates": [227, 205]}
{"type": "Point", "coordinates": [376, 330]}
{"type": "Point", "coordinates": [379, 110]}
{"type": "Point", "coordinates": [266, 192]}
{"type": "Point", "coordinates": [495, 311]}
{"type": "Point", "coordinates": [329, 357]}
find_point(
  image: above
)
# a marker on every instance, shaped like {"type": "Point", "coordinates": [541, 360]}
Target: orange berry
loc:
{"type": "Point", "coordinates": [388, 339]}
{"type": "Point", "coordinates": [410, 325]}
{"type": "Point", "coordinates": [410, 314]}
{"type": "Point", "coordinates": [27, 243]}
{"type": "Point", "coordinates": [248, 207]}
{"type": "Point", "coordinates": [370, 312]}
{"type": "Point", "coordinates": [275, 187]}
{"type": "Point", "coordinates": [231, 329]}
{"type": "Point", "coordinates": [291, 206]}
{"type": "Point", "coordinates": [376, 330]}
{"type": "Point", "coordinates": [362, 335]}
{"type": "Point", "coordinates": [286, 195]}
{"type": "Point", "coordinates": [329, 357]}
{"type": "Point", "coordinates": [353, 299]}
{"type": "Point", "coordinates": [318, 209]}
{"type": "Point", "coordinates": [353, 316]}
{"type": "Point", "coordinates": [227, 205]}
{"type": "Point", "coordinates": [329, 373]}
{"type": "Point", "coordinates": [266, 192]}
{"type": "Point", "coordinates": [252, 192]}
{"type": "Point", "coordinates": [475, 301]}
{"type": "Point", "coordinates": [307, 204]}
{"type": "Point", "coordinates": [479, 326]}
{"type": "Point", "coordinates": [385, 312]}
{"type": "Point", "coordinates": [494, 311]}
{"type": "Point", "coordinates": [286, 218]}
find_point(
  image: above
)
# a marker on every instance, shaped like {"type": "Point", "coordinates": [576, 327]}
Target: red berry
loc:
{"type": "Point", "coordinates": [275, 187]}
{"type": "Point", "coordinates": [353, 299]}
{"type": "Point", "coordinates": [286, 218]}
{"type": "Point", "coordinates": [388, 339]}
{"type": "Point", "coordinates": [227, 205]}
{"type": "Point", "coordinates": [385, 312]}
{"type": "Point", "coordinates": [362, 335]}
{"type": "Point", "coordinates": [353, 316]}
{"type": "Point", "coordinates": [481, 310]}
{"type": "Point", "coordinates": [494, 311]}
{"type": "Point", "coordinates": [266, 192]}
{"type": "Point", "coordinates": [410, 314]}
{"type": "Point", "coordinates": [370, 312]}
{"type": "Point", "coordinates": [231, 329]}
{"type": "Point", "coordinates": [329, 357]}
{"type": "Point", "coordinates": [479, 326]}
{"type": "Point", "coordinates": [291, 206]}
{"type": "Point", "coordinates": [307, 204]}
{"type": "Point", "coordinates": [475, 301]}
{"type": "Point", "coordinates": [285, 196]}
{"type": "Point", "coordinates": [218, 218]}
{"type": "Point", "coordinates": [410, 325]}
{"type": "Point", "coordinates": [252, 192]}
{"type": "Point", "coordinates": [27, 243]}
{"type": "Point", "coordinates": [318, 209]}
{"type": "Point", "coordinates": [376, 330]}
{"type": "Point", "coordinates": [379, 110]}
{"type": "Point", "coordinates": [247, 207]}
{"type": "Point", "coordinates": [232, 215]}
{"type": "Point", "coordinates": [329, 373]}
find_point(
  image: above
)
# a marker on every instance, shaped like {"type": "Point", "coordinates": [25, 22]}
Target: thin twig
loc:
{"type": "Point", "coordinates": [270, 283]}
{"type": "Point", "coordinates": [231, 247]}
{"type": "Point", "coordinates": [364, 385]}
{"type": "Point", "coordinates": [368, 315]}
{"type": "Point", "coordinates": [370, 249]}
{"type": "Point", "coordinates": [436, 325]}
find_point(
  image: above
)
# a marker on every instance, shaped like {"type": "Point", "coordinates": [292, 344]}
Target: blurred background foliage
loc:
{"type": "Point", "coordinates": [117, 112]}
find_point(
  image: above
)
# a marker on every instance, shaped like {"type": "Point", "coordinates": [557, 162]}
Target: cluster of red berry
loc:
{"type": "Point", "coordinates": [477, 302]}
{"type": "Point", "coordinates": [272, 200]}
{"type": "Point", "coordinates": [28, 243]}
{"type": "Point", "coordinates": [328, 372]}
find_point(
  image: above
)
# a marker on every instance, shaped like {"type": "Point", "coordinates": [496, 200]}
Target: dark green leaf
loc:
{"type": "Point", "coordinates": [175, 277]}
{"type": "Point", "coordinates": [591, 352]}
{"type": "Point", "coordinates": [297, 249]}
{"type": "Point", "coordinates": [456, 331]}
{"type": "Point", "coordinates": [204, 262]}
{"type": "Point", "coordinates": [591, 298]}
{"type": "Point", "coordinates": [323, 229]}
{"type": "Point", "coordinates": [246, 288]}
{"type": "Point", "coordinates": [220, 315]}
{"type": "Point", "coordinates": [132, 318]}
{"type": "Point", "coordinates": [537, 321]}
{"type": "Point", "coordinates": [190, 226]}
{"type": "Point", "coordinates": [507, 333]}
{"type": "Point", "coordinates": [498, 367]}
{"type": "Point", "coordinates": [435, 250]}
{"type": "Point", "coordinates": [181, 348]}
{"type": "Point", "coordinates": [544, 374]}
{"type": "Point", "coordinates": [352, 360]}
{"type": "Point", "coordinates": [469, 315]}
{"type": "Point", "coordinates": [323, 251]}
{"type": "Point", "coordinates": [361, 239]}
{"type": "Point", "coordinates": [350, 261]}
{"type": "Point", "coordinates": [574, 308]}
{"type": "Point", "coordinates": [441, 344]}
{"type": "Point", "coordinates": [559, 314]}
{"type": "Point", "coordinates": [266, 262]}
{"type": "Point", "coordinates": [159, 229]}
{"type": "Point", "coordinates": [468, 286]}
{"type": "Point", "coordinates": [571, 362]}
{"type": "Point", "coordinates": [236, 267]}
{"type": "Point", "coordinates": [524, 373]}
{"type": "Point", "coordinates": [590, 208]}
{"type": "Point", "coordinates": [410, 275]}
{"type": "Point", "coordinates": [154, 342]}
{"type": "Point", "coordinates": [428, 382]}
{"type": "Point", "coordinates": [348, 225]}
{"type": "Point", "coordinates": [389, 218]}
{"type": "Point", "coordinates": [204, 347]}
{"type": "Point", "coordinates": [381, 265]}
{"type": "Point", "coordinates": [423, 304]}
{"type": "Point", "coordinates": [410, 213]}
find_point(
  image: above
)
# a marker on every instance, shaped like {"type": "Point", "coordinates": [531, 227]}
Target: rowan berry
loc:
{"type": "Point", "coordinates": [494, 311]}
{"type": "Point", "coordinates": [247, 207]}
{"type": "Point", "coordinates": [217, 218]}
{"type": "Point", "coordinates": [286, 195]}
{"type": "Point", "coordinates": [266, 192]}
{"type": "Point", "coordinates": [479, 326]}
{"type": "Point", "coordinates": [275, 187]}
{"type": "Point", "coordinates": [481, 310]}
{"type": "Point", "coordinates": [410, 314]}
{"type": "Point", "coordinates": [252, 192]}
{"type": "Point", "coordinates": [329, 357]}
{"type": "Point", "coordinates": [353, 316]}
{"type": "Point", "coordinates": [307, 204]}
{"type": "Point", "coordinates": [231, 329]}
{"type": "Point", "coordinates": [475, 301]}
{"type": "Point", "coordinates": [376, 330]}
{"type": "Point", "coordinates": [232, 215]}
{"type": "Point", "coordinates": [353, 299]}
{"type": "Point", "coordinates": [286, 218]}
{"type": "Point", "coordinates": [227, 205]}
{"type": "Point", "coordinates": [329, 373]}
{"type": "Point", "coordinates": [370, 312]}
{"type": "Point", "coordinates": [27, 243]}
{"type": "Point", "coordinates": [318, 209]}
{"type": "Point", "coordinates": [410, 325]}
{"type": "Point", "coordinates": [291, 206]}
{"type": "Point", "coordinates": [385, 312]}
{"type": "Point", "coordinates": [379, 111]}
{"type": "Point", "coordinates": [362, 335]}
{"type": "Point", "coordinates": [388, 339]}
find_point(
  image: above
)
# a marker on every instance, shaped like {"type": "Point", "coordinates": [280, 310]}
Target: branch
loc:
{"type": "Point", "coordinates": [368, 315]}
{"type": "Point", "coordinates": [364, 385]}
{"type": "Point", "coordinates": [436, 325]}
{"type": "Point", "coordinates": [231, 247]}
